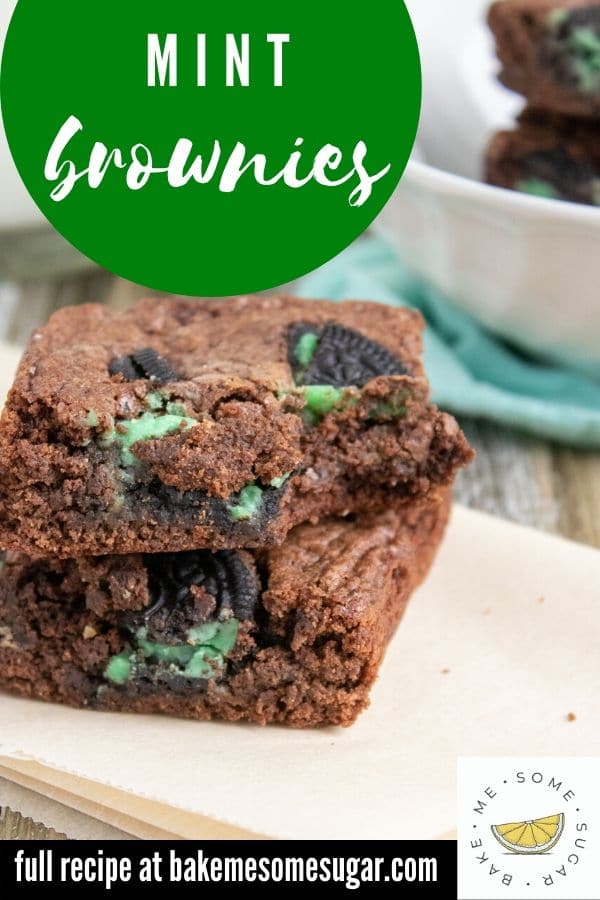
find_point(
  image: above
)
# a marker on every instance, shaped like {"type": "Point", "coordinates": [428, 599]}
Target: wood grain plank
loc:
{"type": "Point", "coordinates": [14, 827]}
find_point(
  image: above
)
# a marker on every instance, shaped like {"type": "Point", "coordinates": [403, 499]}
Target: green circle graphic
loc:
{"type": "Point", "coordinates": [192, 216]}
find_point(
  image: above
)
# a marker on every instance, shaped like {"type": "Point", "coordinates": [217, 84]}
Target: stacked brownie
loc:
{"type": "Point", "coordinates": [550, 53]}
{"type": "Point", "coordinates": [218, 509]}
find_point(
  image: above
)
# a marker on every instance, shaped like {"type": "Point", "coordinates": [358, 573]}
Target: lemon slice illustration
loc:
{"type": "Point", "coordinates": [531, 836]}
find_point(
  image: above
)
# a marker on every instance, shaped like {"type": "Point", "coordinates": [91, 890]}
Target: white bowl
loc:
{"type": "Point", "coordinates": [17, 209]}
{"type": "Point", "coordinates": [528, 268]}
{"type": "Point", "coordinates": [29, 247]}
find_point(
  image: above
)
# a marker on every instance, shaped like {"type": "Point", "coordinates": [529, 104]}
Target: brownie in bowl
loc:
{"type": "Point", "coordinates": [550, 53]}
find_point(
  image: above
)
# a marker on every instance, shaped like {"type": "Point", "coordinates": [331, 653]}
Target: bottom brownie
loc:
{"type": "Point", "coordinates": [548, 156]}
{"type": "Point", "coordinates": [293, 635]}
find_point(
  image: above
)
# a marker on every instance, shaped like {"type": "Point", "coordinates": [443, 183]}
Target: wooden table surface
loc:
{"type": "Point", "coordinates": [530, 481]}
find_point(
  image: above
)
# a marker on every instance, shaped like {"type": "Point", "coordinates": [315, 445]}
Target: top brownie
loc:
{"type": "Point", "coordinates": [183, 424]}
{"type": "Point", "coordinates": [550, 52]}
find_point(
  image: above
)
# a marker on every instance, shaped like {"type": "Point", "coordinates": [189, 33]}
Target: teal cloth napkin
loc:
{"type": "Point", "coordinates": [472, 372]}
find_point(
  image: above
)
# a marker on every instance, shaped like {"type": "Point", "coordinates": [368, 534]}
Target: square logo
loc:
{"type": "Point", "coordinates": [528, 828]}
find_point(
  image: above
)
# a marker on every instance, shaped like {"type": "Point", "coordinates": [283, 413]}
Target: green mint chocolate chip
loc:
{"type": "Point", "coordinates": [586, 39]}
{"type": "Point", "coordinates": [157, 402]}
{"type": "Point", "coordinates": [584, 49]}
{"type": "Point", "coordinates": [581, 45]}
{"type": "Point", "coordinates": [169, 654]}
{"type": "Point", "coordinates": [322, 398]}
{"type": "Point", "coordinates": [247, 504]}
{"type": "Point", "coordinates": [154, 400]}
{"type": "Point", "coordinates": [176, 409]}
{"type": "Point", "coordinates": [118, 669]}
{"type": "Point", "coordinates": [148, 427]}
{"type": "Point", "coordinates": [280, 480]}
{"type": "Point", "coordinates": [91, 419]}
{"type": "Point", "coordinates": [306, 348]}
{"type": "Point", "coordinates": [203, 663]}
{"type": "Point", "coordinates": [215, 639]}
{"type": "Point", "coordinates": [200, 657]}
{"type": "Point", "coordinates": [203, 634]}
{"type": "Point", "coordinates": [319, 399]}
{"type": "Point", "coordinates": [222, 638]}
{"type": "Point", "coordinates": [537, 187]}
{"type": "Point", "coordinates": [213, 642]}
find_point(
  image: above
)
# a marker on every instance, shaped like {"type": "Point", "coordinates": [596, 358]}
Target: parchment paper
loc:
{"type": "Point", "coordinates": [495, 651]}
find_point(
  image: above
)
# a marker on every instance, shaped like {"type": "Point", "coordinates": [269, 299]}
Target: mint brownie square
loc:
{"type": "Point", "coordinates": [550, 53]}
{"type": "Point", "coordinates": [548, 156]}
{"type": "Point", "coordinates": [185, 424]}
{"type": "Point", "coordinates": [294, 634]}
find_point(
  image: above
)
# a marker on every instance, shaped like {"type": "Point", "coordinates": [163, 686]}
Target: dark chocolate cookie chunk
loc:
{"type": "Point", "coordinates": [244, 517]}
{"type": "Point", "coordinates": [143, 364]}
{"type": "Point", "coordinates": [338, 356]}
{"type": "Point", "coordinates": [124, 365]}
{"type": "Point", "coordinates": [199, 602]}
{"type": "Point", "coordinates": [195, 587]}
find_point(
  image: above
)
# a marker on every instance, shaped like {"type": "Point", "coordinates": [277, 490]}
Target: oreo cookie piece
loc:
{"type": "Point", "coordinates": [195, 587]}
{"type": "Point", "coordinates": [169, 507]}
{"type": "Point", "coordinates": [340, 357]}
{"type": "Point", "coordinates": [123, 365]}
{"type": "Point", "coordinates": [143, 364]}
{"type": "Point", "coordinates": [585, 17]}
